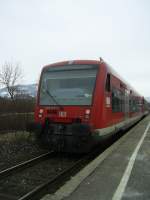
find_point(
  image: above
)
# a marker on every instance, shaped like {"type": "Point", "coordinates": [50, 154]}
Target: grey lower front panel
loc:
{"type": "Point", "coordinates": [69, 143]}
{"type": "Point", "coordinates": [76, 144]}
{"type": "Point", "coordinates": [72, 138]}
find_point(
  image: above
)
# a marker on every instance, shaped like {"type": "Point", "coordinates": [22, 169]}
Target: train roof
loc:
{"type": "Point", "coordinates": [73, 62]}
{"type": "Point", "coordinates": [100, 61]}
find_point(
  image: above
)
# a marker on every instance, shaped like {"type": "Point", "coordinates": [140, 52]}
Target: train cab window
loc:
{"type": "Point", "coordinates": [107, 86]}
{"type": "Point", "coordinates": [68, 85]}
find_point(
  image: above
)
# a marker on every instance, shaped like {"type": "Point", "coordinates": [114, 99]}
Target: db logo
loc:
{"type": "Point", "coordinates": [62, 114]}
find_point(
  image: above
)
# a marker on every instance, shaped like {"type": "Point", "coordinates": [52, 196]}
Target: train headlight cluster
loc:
{"type": "Point", "coordinates": [87, 114]}
{"type": "Point", "coordinates": [40, 115]}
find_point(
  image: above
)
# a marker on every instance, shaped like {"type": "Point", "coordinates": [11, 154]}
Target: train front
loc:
{"type": "Point", "coordinates": [64, 106]}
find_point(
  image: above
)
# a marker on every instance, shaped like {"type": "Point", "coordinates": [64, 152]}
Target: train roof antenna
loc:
{"type": "Point", "coordinates": [101, 60]}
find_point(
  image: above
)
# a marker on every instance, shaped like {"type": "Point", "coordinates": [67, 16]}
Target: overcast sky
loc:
{"type": "Point", "coordinates": [35, 33]}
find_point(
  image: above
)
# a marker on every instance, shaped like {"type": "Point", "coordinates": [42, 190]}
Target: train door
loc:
{"type": "Point", "coordinates": [126, 103]}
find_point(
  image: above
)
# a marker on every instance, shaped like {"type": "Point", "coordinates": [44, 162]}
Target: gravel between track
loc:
{"type": "Point", "coordinates": [23, 182]}
{"type": "Point", "coordinates": [18, 147]}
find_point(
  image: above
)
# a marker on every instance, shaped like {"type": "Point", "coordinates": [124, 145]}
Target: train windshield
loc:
{"type": "Point", "coordinates": [68, 85]}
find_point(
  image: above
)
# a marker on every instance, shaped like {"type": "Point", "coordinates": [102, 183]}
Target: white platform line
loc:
{"type": "Point", "coordinates": [121, 187]}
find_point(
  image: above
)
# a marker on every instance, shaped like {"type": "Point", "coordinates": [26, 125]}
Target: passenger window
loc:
{"type": "Point", "coordinates": [117, 100]}
{"type": "Point", "coordinates": [134, 105]}
{"type": "Point", "coordinates": [107, 86]}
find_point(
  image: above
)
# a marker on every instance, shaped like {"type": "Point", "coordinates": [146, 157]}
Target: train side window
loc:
{"type": "Point", "coordinates": [117, 100]}
{"type": "Point", "coordinates": [135, 105]}
{"type": "Point", "coordinates": [108, 86]}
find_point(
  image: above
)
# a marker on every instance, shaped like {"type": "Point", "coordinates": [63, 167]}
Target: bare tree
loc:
{"type": "Point", "coordinates": [10, 75]}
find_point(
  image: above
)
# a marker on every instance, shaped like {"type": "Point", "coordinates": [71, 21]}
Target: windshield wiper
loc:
{"type": "Point", "coordinates": [53, 98]}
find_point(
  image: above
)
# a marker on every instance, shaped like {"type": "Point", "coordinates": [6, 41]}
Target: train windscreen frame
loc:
{"type": "Point", "coordinates": [68, 85]}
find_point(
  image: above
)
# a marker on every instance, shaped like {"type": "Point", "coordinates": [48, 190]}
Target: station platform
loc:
{"type": "Point", "coordinates": [121, 172]}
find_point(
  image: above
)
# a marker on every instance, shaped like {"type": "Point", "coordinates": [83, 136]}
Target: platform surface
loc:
{"type": "Point", "coordinates": [123, 174]}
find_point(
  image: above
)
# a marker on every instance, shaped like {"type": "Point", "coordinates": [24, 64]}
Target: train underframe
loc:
{"type": "Point", "coordinates": [71, 138]}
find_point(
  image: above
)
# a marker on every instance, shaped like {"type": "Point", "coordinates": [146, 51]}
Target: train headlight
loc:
{"type": "Point", "coordinates": [87, 111]}
{"type": "Point", "coordinates": [40, 114]}
{"type": "Point", "coordinates": [87, 114]}
{"type": "Point", "coordinates": [41, 111]}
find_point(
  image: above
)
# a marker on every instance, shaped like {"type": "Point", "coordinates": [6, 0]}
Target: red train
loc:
{"type": "Point", "coordinates": [82, 102]}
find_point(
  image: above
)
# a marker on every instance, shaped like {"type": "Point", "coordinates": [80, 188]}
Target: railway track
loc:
{"type": "Point", "coordinates": [23, 165]}
{"type": "Point", "coordinates": [11, 171]}
{"type": "Point", "coordinates": [52, 184]}
{"type": "Point", "coordinates": [32, 179]}
{"type": "Point", "coordinates": [12, 179]}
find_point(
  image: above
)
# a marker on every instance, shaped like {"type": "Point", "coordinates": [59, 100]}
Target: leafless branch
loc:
{"type": "Point", "coordinates": [10, 75]}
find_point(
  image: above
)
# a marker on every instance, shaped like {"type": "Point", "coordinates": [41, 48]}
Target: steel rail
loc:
{"type": "Point", "coordinates": [23, 165]}
{"type": "Point", "coordinates": [50, 185]}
